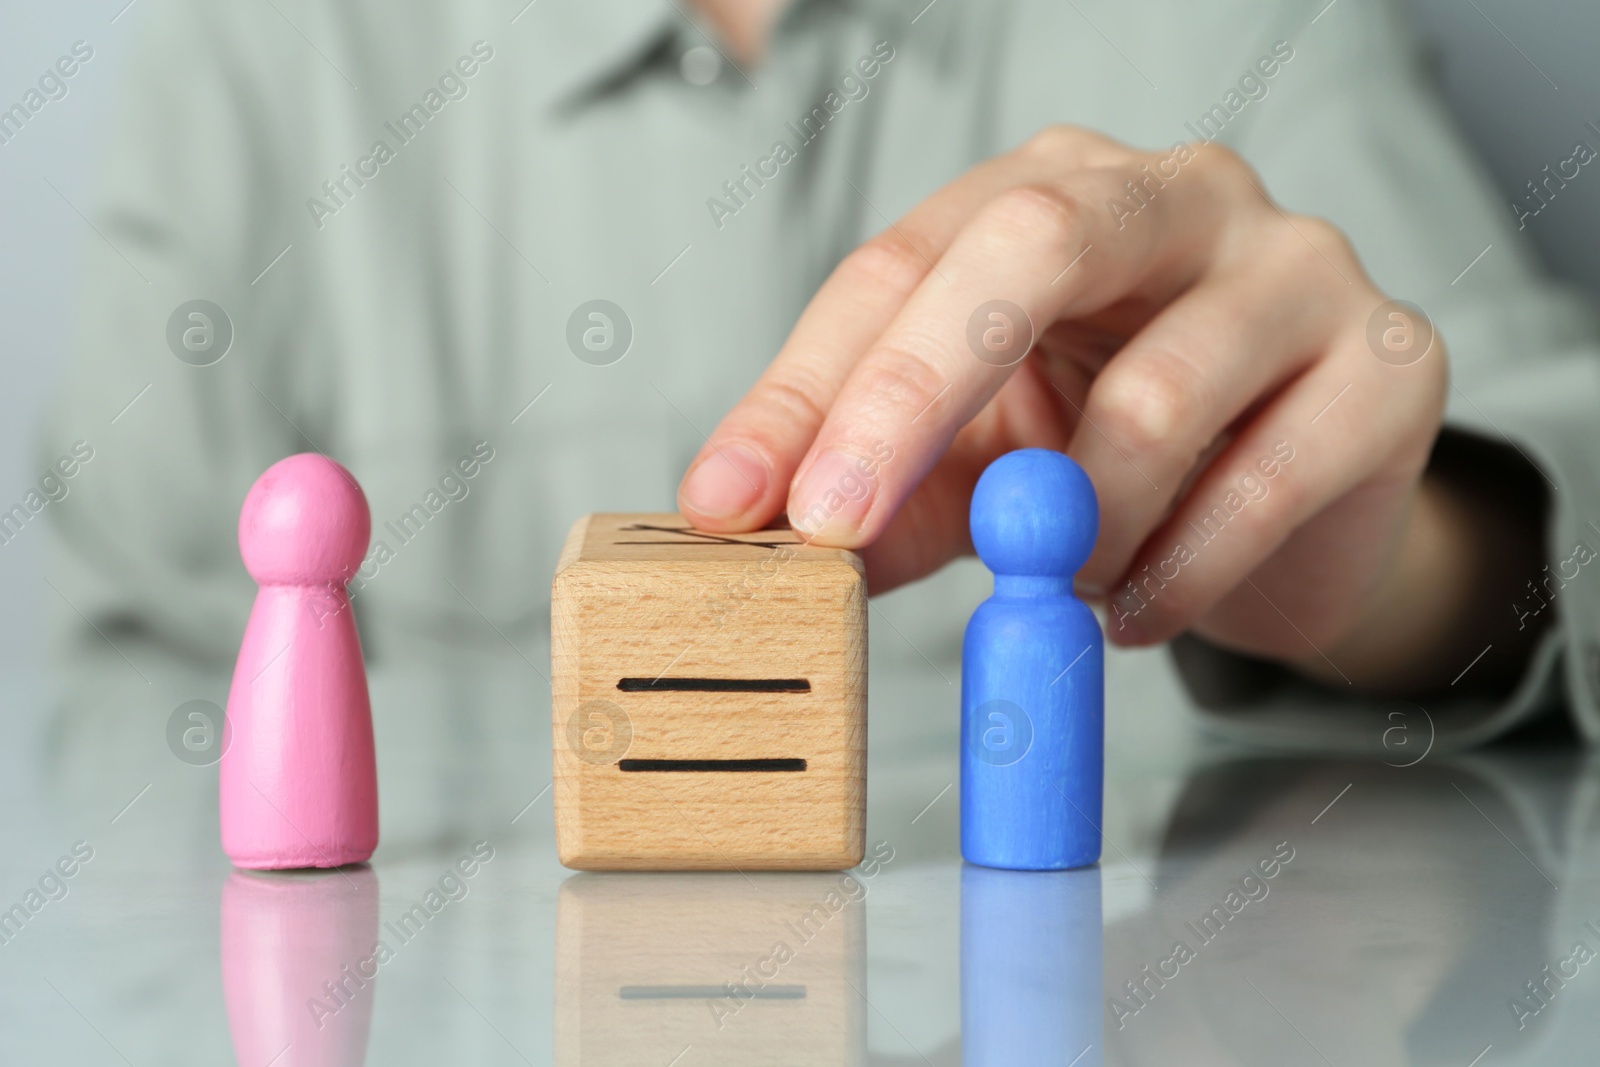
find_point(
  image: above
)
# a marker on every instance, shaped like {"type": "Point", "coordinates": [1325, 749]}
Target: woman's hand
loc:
{"type": "Point", "coordinates": [1206, 356]}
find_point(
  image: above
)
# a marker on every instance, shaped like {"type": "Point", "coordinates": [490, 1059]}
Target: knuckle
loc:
{"type": "Point", "coordinates": [901, 380]}
{"type": "Point", "coordinates": [1273, 504]}
{"type": "Point", "coordinates": [1145, 407]}
{"type": "Point", "coordinates": [887, 261]}
{"type": "Point", "coordinates": [1309, 241]}
{"type": "Point", "coordinates": [1230, 179]}
{"type": "Point", "coordinates": [789, 401]}
{"type": "Point", "coordinates": [1055, 142]}
{"type": "Point", "coordinates": [1224, 163]}
{"type": "Point", "coordinates": [1060, 145]}
{"type": "Point", "coordinates": [1039, 213]}
{"type": "Point", "coordinates": [1434, 388]}
{"type": "Point", "coordinates": [1318, 231]}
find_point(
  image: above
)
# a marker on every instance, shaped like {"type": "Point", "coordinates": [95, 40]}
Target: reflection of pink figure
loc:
{"type": "Point", "coordinates": [298, 970]}
{"type": "Point", "coordinates": [299, 778]}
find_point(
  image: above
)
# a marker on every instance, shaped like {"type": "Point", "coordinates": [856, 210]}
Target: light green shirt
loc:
{"type": "Point", "coordinates": [403, 215]}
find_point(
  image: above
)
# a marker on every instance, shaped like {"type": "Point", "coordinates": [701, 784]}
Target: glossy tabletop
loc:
{"type": "Point", "coordinates": [1251, 908]}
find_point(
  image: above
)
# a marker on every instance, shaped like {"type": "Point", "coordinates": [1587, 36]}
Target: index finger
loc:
{"type": "Point", "coordinates": [740, 479]}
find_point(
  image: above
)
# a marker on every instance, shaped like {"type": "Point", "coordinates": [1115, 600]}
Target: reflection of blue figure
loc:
{"type": "Point", "coordinates": [1032, 672]}
{"type": "Point", "coordinates": [1030, 968]}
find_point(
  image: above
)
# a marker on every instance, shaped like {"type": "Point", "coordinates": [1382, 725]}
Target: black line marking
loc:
{"type": "Point", "coordinates": [714, 685]}
{"type": "Point", "coordinates": [744, 765]}
{"type": "Point", "coordinates": [697, 537]}
{"type": "Point", "coordinates": [712, 544]}
{"type": "Point", "coordinates": [707, 992]}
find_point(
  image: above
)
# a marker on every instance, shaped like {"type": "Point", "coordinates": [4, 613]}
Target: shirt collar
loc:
{"type": "Point", "coordinates": [584, 44]}
{"type": "Point", "coordinates": [588, 45]}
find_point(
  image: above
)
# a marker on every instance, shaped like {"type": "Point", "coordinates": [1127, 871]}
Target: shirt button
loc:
{"type": "Point", "coordinates": [700, 65]}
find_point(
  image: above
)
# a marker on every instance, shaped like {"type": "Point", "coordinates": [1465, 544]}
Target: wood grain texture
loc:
{"type": "Point", "coordinates": [642, 596]}
{"type": "Point", "coordinates": [648, 964]}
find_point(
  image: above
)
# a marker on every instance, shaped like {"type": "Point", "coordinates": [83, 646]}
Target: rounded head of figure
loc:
{"type": "Point", "coordinates": [304, 522]}
{"type": "Point", "coordinates": [1034, 513]}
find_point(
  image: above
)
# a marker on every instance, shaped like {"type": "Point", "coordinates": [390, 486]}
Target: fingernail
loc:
{"type": "Point", "coordinates": [726, 483]}
{"type": "Point", "coordinates": [832, 500]}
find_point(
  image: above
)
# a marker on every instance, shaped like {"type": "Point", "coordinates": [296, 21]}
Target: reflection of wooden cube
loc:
{"type": "Point", "coordinates": [749, 972]}
{"type": "Point", "coordinates": [708, 699]}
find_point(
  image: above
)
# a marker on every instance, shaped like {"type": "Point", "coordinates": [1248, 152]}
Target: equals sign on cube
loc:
{"type": "Point", "coordinates": [713, 685]}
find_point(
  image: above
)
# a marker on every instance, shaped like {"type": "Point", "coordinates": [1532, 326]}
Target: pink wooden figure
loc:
{"type": "Point", "coordinates": [299, 778]}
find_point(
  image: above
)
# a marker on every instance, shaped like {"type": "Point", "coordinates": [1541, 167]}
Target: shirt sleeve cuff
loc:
{"type": "Point", "coordinates": [1260, 703]}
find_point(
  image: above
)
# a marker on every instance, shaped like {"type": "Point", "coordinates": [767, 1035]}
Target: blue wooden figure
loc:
{"type": "Point", "coordinates": [1032, 672]}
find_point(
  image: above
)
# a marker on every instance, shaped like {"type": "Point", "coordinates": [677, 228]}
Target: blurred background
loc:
{"type": "Point", "coordinates": [1456, 894]}
{"type": "Point", "coordinates": [1519, 74]}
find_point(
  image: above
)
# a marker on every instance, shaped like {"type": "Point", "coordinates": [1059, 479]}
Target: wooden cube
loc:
{"type": "Point", "coordinates": [749, 972]}
{"type": "Point", "coordinates": [708, 699]}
